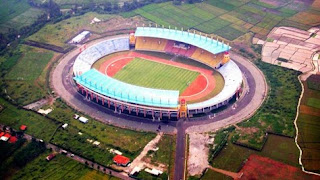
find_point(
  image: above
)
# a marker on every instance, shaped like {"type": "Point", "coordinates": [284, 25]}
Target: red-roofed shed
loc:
{"type": "Point", "coordinates": [23, 127]}
{"type": "Point", "coordinates": [13, 139]}
{"type": "Point", "coordinates": [5, 137]}
{"type": "Point", "coordinates": [121, 160]}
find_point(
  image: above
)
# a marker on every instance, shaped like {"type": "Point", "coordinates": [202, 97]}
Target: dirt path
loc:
{"type": "Point", "coordinates": [228, 173]}
{"type": "Point", "coordinates": [198, 153]}
{"type": "Point", "coordinates": [200, 87]}
{"type": "Point", "coordinates": [138, 162]}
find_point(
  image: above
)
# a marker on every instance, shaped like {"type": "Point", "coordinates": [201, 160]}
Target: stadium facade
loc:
{"type": "Point", "coordinates": [156, 103]}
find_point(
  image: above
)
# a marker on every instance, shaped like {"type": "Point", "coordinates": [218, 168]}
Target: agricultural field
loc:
{"type": "Point", "coordinates": [25, 79]}
{"type": "Point", "coordinates": [80, 2]}
{"type": "Point", "coordinates": [232, 156]}
{"type": "Point", "coordinates": [155, 75]}
{"type": "Point", "coordinates": [308, 124]}
{"type": "Point", "coordinates": [58, 168]}
{"type": "Point", "coordinates": [15, 14]}
{"type": "Point", "coordinates": [278, 111]}
{"type": "Point", "coordinates": [231, 19]}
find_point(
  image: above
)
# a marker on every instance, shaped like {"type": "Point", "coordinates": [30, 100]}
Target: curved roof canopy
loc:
{"type": "Point", "coordinates": [202, 42]}
{"type": "Point", "coordinates": [113, 88]}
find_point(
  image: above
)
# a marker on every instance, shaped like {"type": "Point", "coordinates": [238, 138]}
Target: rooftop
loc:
{"type": "Point", "coordinates": [203, 42]}
{"type": "Point", "coordinates": [121, 159]}
{"type": "Point", "coordinates": [113, 88]}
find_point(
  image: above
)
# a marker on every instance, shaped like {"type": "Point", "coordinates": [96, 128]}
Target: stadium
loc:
{"type": "Point", "coordinates": [109, 84]}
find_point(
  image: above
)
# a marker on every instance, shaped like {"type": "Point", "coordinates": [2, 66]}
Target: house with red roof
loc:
{"type": "Point", "coordinates": [50, 157]}
{"type": "Point", "coordinates": [121, 160]}
{"type": "Point", "coordinates": [23, 127]}
{"type": "Point", "coordinates": [5, 137]}
{"type": "Point", "coordinates": [13, 139]}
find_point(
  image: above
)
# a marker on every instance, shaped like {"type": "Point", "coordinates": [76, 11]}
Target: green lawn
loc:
{"type": "Point", "coordinates": [151, 74]}
{"type": "Point", "coordinates": [58, 168]}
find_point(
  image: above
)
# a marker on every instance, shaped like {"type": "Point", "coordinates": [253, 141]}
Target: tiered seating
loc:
{"type": "Point", "coordinates": [232, 78]}
{"type": "Point", "coordinates": [89, 56]}
{"type": "Point", "coordinates": [153, 44]}
{"type": "Point", "coordinates": [206, 57]}
{"type": "Point", "coordinates": [190, 51]}
{"type": "Point", "coordinates": [197, 53]}
{"type": "Point", "coordinates": [169, 46]}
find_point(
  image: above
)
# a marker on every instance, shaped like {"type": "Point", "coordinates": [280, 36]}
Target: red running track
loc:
{"type": "Point", "coordinates": [199, 88]}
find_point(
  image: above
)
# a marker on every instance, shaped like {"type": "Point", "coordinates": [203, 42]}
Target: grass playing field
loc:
{"type": "Point", "coordinates": [151, 74]}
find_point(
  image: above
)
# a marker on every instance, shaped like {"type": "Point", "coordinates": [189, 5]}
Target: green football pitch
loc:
{"type": "Point", "coordinates": [151, 74]}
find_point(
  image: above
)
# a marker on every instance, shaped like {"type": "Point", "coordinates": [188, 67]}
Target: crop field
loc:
{"type": "Point", "coordinates": [58, 168]}
{"type": "Point", "coordinates": [16, 15]}
{"type": "Point", "coordinates": [309, 123]}
{"type": "Point", "coordinates": [81, 2]}
{"type": "Point", "coordinates": [278, 111]}
{"type": "Point", "coordinates": [230, 19]}
{"type": "Point", "coordinates": [151, 74]}
{"type": "Point", "coordinates": [232, 157]}
{"type": "Point", "coordinates": [22, 81]}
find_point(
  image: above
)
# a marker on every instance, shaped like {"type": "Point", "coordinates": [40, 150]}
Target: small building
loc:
{"type": "Point", "coordinates": [80, 37]}
{"type": "Point", "coordinates": [154, 172]}
{"type": "Point", "coordinates": [50, 157]}
{"type": "Point", "coordinates": [23, 127]}
{"type": "Point", "coordinates": [76, 116]}
{"type": "Point", "coordinates": [65, 126]}
{"type": "Point", "coordinates": [121, 160]}
{"type": "Point", "coordinates": [13, 139]}
{"type": "Point", "coordinates": [83, 120]}
{"type": "Point", "coordinates": [5, 137]}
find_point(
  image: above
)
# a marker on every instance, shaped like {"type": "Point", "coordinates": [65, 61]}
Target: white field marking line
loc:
{"type": "Point", "coordinates": [118, 59]}
{"type": "Point", "coordinates": [297, 131]}
{"type": "Point", "coordinates": [200, 91]}
{"type": "Point", "coordinates": [115, 60]}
